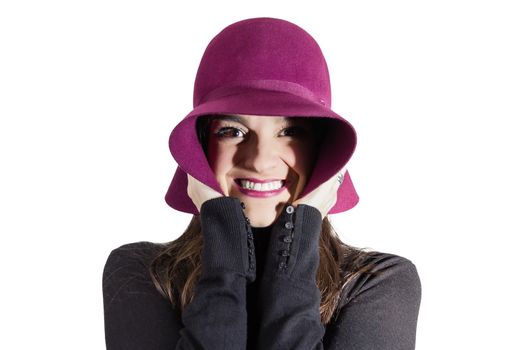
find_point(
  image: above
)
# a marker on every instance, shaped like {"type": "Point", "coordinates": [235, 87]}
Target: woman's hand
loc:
{"type": "Point", "coordinates": [323, 197]}
{"type": "Point", "coordinates": [199, 192]}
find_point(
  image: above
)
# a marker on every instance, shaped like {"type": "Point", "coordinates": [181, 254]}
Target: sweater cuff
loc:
{"type": "Point", "coordinates": [294, 243]}
{"type": "Point", "coordinates": [228, 242]}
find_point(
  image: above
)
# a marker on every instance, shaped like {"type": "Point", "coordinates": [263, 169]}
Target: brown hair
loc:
{"type": "Point", "coordinates": [177, 267]}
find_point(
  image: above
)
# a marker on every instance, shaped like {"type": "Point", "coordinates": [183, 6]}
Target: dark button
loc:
{"type": "Point", "coordinates": [243, 205]}
{"type": "Point", "coordinates": [289, 209]}
{"type": "Point", "coordinates": [288, 225]}
{"type": "Point", "coordinates": [285, 253]}
{"type": "Point", "coordinates": [287, 239]}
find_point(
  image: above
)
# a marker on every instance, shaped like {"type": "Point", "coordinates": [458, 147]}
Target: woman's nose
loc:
{"type": "Point", "coordinates": [260, 155]}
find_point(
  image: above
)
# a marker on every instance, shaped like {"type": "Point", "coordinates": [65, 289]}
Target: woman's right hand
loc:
{"type": "Point", "coordinates": [324, 196]}
{"type": "Point", "coordinates": [199, 192]}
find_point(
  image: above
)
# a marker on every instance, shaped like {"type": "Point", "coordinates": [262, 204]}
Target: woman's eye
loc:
{"type": "Point", "coordinates": [292, 131]}
{"type": "Point", "coordinates": [229, 132]}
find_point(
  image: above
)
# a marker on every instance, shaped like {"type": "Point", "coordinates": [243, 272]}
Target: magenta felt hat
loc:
{"type": "Point", "coordinates": [267, 67]}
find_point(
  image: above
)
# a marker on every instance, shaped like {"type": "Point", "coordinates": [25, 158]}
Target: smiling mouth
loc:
{"type": "Point", "coordinates": [267, 186]}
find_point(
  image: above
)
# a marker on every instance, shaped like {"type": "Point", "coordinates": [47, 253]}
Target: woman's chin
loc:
{"type": "Point", "coordinates": [260, 221]}
{"type": "Point", "coordinates": [262, 213]}
{"type": "Point", "coordinates": [261, 210]}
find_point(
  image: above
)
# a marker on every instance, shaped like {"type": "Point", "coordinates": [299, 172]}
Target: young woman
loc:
{"type": "Point", "coordinates": [261, 165]}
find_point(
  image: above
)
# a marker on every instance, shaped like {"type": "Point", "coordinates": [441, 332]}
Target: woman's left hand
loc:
{"type": "Point", "coordinates": [199, 192]}
{"type": "Point", "coordinates": [323, 197]}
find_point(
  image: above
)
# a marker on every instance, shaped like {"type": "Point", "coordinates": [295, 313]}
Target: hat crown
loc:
{"type": "Point", "coordinates": [263, 49]}
{"type": "Point", "coordinates": [265, 67]}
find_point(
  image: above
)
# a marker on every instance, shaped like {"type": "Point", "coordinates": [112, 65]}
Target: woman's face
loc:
{"type": "Point", "coordinates": [263, 161]}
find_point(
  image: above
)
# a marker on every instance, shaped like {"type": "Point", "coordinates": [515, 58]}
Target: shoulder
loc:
{"type": "Point", "coordinates": [127, 269]}
{"type": "Point", "coordinates": [385, 274]}
{"type": "Point", "coordinates": [138, 250]}
{"type": "Point", "coordinates": [132, 255]}
{"type": "Point", "coordinates": [136, 314]}
{"type": "Point", "coordinates": [378, 307]}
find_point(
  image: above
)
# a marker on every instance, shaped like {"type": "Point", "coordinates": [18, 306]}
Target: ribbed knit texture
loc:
{"type": "Point", "coordinates": [217, 317]}
{"type": "Point", "coordinates": [278, 310]}
{"type": "Point", "coordinates": [225, 237]}
{"type": "Point", "coordinates": [290, 299]}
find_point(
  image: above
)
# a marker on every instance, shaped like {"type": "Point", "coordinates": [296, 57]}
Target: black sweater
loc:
{"type": "Point", "coordinates": [258, 290]}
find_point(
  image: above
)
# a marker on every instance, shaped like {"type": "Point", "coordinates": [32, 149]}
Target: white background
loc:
{"type": "Point", "coordinates": [90, 90]}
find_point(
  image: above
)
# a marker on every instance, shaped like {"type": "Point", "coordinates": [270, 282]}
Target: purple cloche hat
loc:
{"type": "Point", "coordinates": [268, 67]}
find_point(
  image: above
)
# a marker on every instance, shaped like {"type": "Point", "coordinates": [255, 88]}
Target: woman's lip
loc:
{"type": "Point", "coordinates": [257, 180]}
{"type": "Point", "coordinates": [259, 194]}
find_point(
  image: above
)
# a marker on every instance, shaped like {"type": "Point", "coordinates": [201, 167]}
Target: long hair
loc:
{"type": "Point", "coordinates": [176, 269]}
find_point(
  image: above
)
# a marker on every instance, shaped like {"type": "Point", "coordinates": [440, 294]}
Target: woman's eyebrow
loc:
{"type": "Point", "coordinates": [234, 118]}
{"type": "Point", "coordinates": [242, 120]}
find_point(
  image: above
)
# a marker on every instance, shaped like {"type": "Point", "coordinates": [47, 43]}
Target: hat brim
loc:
{"type": "Point", "coordinates": [335, 151]}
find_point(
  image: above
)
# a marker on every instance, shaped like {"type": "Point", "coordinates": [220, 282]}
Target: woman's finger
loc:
{"type": "Point", "coordinates": [199, 192]}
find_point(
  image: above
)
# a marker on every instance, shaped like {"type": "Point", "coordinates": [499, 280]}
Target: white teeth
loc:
{"type": "Point", "coordinates": [268, 186]}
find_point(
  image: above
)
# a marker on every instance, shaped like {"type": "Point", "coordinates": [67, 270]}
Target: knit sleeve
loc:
{"type": "Point", "coordinates": [288, 293]}
{"type": "Point", "coordinates": [380, 309]}
{"type": "Point", "coordinates": [216, 318]}
{"type": "Point", "coordinates": [136, 315]}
